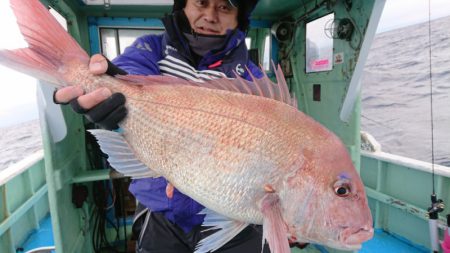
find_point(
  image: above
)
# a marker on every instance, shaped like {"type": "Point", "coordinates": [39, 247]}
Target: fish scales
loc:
{"type": "Point", "coordinates": [197, 147]}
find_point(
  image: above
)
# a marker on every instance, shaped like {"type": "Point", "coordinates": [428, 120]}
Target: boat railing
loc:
{"type": "Point", "coordinates": [399, 191]}
{"type": "Point", "coordinates": [23, 201]}
{"type": "Point", "coordinates": [398, 188]}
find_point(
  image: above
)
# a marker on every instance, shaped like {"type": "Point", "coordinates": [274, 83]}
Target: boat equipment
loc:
{"type": "Point", "coordinates": [437, 205]}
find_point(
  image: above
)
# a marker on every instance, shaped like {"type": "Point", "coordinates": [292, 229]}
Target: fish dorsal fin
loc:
{"type": "Point", "coordinates": [274, 228]}
{"type": "Point", "coordinates": [226, 228]}
{"type": "Point", "coordinates": [120, 155]}
{"type": "Point", "coordinates": [263, 87]}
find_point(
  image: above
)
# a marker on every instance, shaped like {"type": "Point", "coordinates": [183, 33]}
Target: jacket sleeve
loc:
{"type": "Point", "coordinates": [141, 58]}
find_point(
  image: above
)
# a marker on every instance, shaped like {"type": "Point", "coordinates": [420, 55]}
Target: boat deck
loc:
{"type": "Point", "coordinates": [41, 238]}
{"type": "Point", "coordinates": [385, 242]}
{"type": "Point", "coordinates": [382, 242]}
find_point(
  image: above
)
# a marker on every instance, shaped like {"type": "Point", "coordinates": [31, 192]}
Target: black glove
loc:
{"type": "Point", "coordinates": [113, 70]}
{"type": "Point", "coordinates": [108, 113]}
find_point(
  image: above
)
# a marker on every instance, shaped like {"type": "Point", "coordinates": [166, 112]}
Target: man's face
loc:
{"type": "Point", "coordinates": [211, 17]}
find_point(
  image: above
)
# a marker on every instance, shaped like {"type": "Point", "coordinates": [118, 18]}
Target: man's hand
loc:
{"type": "Point", "coordinates": [100, 106]}
{"type": "Point", "coordinates": [97, 66]}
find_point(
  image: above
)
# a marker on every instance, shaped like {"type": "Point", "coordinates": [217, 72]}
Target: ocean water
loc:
{"type": "Point", "coordinates": [19, 141]}
{"type": "Point", "coordinates": [395, 98]}
{"type": "Point", "coordinates": [396, 104]}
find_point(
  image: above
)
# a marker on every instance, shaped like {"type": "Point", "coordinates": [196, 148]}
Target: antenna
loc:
{"type": "Point", "coordinates": [437, 205]}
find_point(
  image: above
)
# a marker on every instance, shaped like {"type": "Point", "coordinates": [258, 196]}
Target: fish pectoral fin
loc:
{"type": "Point", "coordinates": [274, 227]}
{"type": "Point", "coordinates": [227, 230]}
{"type": "Point", "coordinates": [120, 155]}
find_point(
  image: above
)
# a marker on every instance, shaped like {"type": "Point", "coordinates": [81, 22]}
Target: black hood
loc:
{"type": "Point", "coordinates": [245, 9]}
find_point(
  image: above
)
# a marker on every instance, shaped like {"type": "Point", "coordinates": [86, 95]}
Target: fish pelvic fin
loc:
{"type": "Point", "coordinates": [50, 46]}
{"type": "Point", "coordinates": [120, 155]}
{"type": "Point", "coordinates": [263, 87]}
{"type": "Point", "coordinates": [274, 227]}
{"type": "Point", "coordinates": [226, 228]}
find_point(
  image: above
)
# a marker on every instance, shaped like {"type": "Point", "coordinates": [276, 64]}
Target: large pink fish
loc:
{"type": "Point", "coordinates": [241, 149]}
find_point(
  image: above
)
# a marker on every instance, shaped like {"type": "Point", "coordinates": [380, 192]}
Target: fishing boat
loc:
{"type": "Point", "coordinates": [67, 199]}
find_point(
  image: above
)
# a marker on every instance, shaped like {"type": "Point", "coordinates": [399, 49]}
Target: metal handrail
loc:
{"type": "Point", "coordinates": [20, 167]}
{"type": "Point", "coordinates": [439, 170]}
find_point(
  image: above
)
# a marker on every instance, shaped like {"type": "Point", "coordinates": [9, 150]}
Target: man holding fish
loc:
{"type": "Point", "coordinates": [240, 148]}
{"type": "Point", "coordinates": [204, 39]}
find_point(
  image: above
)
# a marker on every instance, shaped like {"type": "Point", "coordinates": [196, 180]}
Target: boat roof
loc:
{"type": "Point", "coordinates": [266, 9]}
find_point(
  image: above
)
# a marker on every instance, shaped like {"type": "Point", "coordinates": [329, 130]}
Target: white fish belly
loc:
{"type": "Point", "coordinates": [221, 162]}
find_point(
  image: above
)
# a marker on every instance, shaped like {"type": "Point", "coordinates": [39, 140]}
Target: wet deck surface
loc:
{"type": "Point", "coordinates": [382, 242]}
{"type": "Point", "coordinates": [385, 242]}
{"type": "Point", "coordinates": [42, 237]}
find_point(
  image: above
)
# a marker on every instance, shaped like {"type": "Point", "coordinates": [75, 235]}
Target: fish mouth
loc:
{"type": "Point", "coordinates": [354, 237]}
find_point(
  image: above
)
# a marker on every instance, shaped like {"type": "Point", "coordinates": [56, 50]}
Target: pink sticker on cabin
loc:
{"type": "Point", "coordinates": [320, 64]}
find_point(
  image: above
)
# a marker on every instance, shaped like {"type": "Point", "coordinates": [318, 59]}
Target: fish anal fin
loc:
{"type": "Point", "coordinates": [120, 154]}
{"type": "Point", "coordinates": [274, 227]}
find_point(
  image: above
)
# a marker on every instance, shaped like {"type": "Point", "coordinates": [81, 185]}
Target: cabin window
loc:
{"type": "Point", "coordinates": [115, 40]}
{"type": "Point", "coordinates": [319, 47]}
{"type": "Point", "coordinates": [267, 52]}
{"type": "Point", "coordinates": [109, 43]}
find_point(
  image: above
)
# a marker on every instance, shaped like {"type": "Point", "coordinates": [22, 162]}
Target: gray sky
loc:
{"type": "Point", "coordinates": [19, 90]}
{"type": "Point", "coordinates": [400, 13]}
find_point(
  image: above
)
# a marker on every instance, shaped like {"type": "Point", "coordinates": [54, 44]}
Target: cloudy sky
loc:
{"type": "Point", "coordinates": [400, 13]}
{"type": "Point", "coordinates": [19, 90]}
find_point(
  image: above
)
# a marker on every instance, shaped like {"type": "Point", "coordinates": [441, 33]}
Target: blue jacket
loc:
{"type": "Point", "coordinates": [169, 54]}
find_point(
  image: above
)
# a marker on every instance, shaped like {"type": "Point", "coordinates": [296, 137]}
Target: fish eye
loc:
{"type": "Point", "coordinates": [342, 189]}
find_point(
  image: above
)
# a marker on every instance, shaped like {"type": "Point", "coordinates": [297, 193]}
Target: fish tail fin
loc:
{"type": "Point", "coordinates": [50, 49]}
